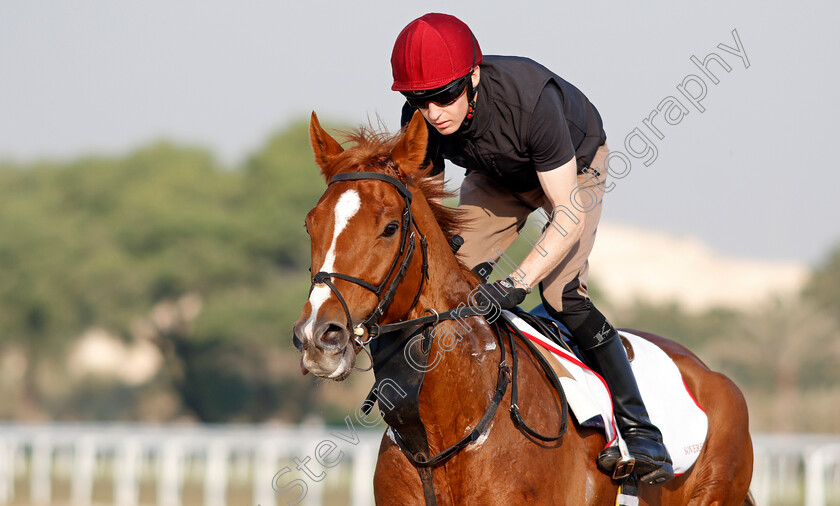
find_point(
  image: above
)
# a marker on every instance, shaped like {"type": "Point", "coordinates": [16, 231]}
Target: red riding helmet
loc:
{"type": "Point", "coordinates": [432, 51]}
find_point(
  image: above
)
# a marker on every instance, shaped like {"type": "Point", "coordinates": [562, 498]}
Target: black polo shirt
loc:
{"type": "Point", "coordinates": [527, 119]}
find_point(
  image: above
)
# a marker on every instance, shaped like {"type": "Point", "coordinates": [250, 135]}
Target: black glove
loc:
{"type": "Point", "coordinates": [503, 294]}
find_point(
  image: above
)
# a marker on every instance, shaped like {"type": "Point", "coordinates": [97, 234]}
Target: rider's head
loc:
{"type": "Point", "coordinates": [435, 65]}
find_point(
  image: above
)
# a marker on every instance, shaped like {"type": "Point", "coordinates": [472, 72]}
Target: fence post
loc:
{"type": "Point", "coordinates": [170, 469]}
{"type": "Point", "coordinates": [7, 471]}
{"type": "Point", "coordinates": [40, 484]}
{"type": "Point", "coordinates": [126, 491]}
{"type": "Point", "coordinates": [215, 476]}
{"type": "Point", "coordinates": [265, 465]}
{"type": "Point", "coordinates": [81, 492]}
{"type": "Point", "coordinates": [815, 478]}
{"type": "Point", "coordinates": [364, 460]}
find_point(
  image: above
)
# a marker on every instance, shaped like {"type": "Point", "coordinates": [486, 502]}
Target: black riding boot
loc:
{"type": "Point", "coordinates": [644, 441]}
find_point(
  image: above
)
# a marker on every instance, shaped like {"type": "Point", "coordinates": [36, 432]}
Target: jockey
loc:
{"type": "Point", "coordinates": [528, 140]}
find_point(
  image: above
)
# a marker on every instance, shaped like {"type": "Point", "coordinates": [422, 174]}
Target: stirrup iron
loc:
{"type": "Point", "coordinates": [625, 464]}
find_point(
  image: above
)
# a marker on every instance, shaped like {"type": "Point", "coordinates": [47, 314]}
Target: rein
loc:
{"type": "Point", "coordinates": [419, 456]}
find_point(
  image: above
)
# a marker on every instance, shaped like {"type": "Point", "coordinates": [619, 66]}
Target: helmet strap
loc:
{"type": "Point", "coordinates": [470, 92]}
{"type": "Point", "coordinates": [471, 111]}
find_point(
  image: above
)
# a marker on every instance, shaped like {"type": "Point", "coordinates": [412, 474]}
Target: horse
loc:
{"type": "Point", "coordinates": [446, 442]}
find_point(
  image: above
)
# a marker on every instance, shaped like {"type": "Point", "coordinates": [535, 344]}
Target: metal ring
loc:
{"type": "Point", "coordinates": [357, 336]}
{"type": "Point", "coordinates": [437, 315]}
{"type": "Point", "coordinates": [370, 357]}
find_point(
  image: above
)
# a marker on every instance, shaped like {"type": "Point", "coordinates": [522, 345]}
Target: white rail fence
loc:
{"type": "Point", "coordinates": [132, 465]}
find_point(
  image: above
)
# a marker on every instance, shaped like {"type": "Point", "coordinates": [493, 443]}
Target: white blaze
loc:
{"type": "Point", "coordinates": [346, 207]}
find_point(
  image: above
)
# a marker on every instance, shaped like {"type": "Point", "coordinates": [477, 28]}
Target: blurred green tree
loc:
{"type": "Point", "coordinates": [101, 242]}
{"type": "Point", "coordinates": [823, 287]}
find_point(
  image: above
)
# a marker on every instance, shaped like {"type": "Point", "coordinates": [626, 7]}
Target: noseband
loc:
{"type": "Point", "coordinates": [384, 291]}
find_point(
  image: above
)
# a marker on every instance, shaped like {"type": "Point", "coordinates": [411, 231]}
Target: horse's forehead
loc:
{"type": "Point", "coordinates": [375, 197]}
{"type": "Point", "coordinates": [341, 203]}
{"type": "Point", "coordinates": [346, 207]}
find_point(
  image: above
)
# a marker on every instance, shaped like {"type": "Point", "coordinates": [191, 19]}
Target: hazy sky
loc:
{"type": "Point", "coordinates": [753, 175]}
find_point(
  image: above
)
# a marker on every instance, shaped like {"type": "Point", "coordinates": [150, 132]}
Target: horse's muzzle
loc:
{"type": "Point", "coordinates": [324, 348]}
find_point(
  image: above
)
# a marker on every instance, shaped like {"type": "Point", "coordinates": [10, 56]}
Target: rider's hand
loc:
{"type": "Point", "coordinates": [503, 294]}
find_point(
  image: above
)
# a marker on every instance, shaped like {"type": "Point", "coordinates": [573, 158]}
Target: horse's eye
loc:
{"type": "Point", "coordinates": [391, 229]}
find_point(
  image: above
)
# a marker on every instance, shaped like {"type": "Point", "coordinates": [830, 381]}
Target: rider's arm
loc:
{"type": "Point", "coordinates": [553, 245]}
{"type": "Point", "coordinates": [549, 140]}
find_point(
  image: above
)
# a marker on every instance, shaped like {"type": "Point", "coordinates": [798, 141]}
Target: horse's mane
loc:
{"type": "Point", "coordinates": [369, 152]}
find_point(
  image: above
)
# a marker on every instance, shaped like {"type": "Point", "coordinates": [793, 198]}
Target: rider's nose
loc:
{"type": "Point", "coordinates": [434, 111]}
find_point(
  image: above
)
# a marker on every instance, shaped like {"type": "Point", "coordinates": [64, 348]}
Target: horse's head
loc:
{"type": "Point", "coordinates": [362, 236]}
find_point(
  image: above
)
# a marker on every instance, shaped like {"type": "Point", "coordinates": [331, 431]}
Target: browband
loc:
{"type": "Point", "coordinates": [354, 176]}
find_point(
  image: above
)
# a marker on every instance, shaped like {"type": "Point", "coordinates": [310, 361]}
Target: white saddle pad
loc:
{"type": "Point", "coordinates": [671, 406]}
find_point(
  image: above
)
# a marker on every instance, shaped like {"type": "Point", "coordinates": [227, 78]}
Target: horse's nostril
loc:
{"type": "Point", "coordinates": [296, 342]}
{"type": "Point", "coordinates": [328, 337]}
{"type": "Point", "coordinates": [331, 334]}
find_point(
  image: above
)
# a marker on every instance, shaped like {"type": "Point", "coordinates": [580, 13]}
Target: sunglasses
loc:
{"type": "Point", "coordinates": [442, 97]}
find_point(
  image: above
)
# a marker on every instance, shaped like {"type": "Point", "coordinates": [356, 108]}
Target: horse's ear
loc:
{"type": "Point", "coordinates": [410, 151]}
{"type": "Point", "coordinates": [324, 146]}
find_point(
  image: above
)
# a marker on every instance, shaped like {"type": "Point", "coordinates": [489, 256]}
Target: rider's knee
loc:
{"type": "Point", "coordinates": [588, 325]}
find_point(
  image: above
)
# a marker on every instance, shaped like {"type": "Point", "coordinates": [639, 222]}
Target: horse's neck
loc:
{"type": "Point", "coordinates": [448, 286]}
{"type": "Point", "coordinates": [464, 358]}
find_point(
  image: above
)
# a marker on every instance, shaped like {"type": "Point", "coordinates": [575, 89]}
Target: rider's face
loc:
{"type": "Point", "coordinates": [447, 118]}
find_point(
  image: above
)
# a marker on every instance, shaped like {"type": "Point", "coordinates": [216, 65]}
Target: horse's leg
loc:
{"type": "Point", "coordinates": [723, 470]}
{"type": "Point", "coordinates": [395, 481]}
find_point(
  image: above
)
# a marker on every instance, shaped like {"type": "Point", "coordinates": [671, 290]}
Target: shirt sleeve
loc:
{"type": "Point", "coordinates": [434, 157]}
{"type": "Point", "coordinates": [549, 139]}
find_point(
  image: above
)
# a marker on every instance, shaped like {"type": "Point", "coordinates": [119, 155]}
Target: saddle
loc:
{"type": "Point", "coordinates": [559, 333]}
{"type": "Point", "coordinates": [671, 406]}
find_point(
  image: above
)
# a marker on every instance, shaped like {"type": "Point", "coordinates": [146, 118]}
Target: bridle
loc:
{"type": "Point", "coordinates": [384, 291]}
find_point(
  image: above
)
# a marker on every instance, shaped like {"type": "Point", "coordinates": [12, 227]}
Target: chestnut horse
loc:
{"type": "Point", "coordinates": [383, 267]}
